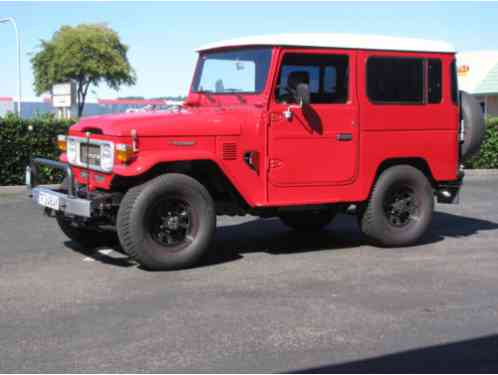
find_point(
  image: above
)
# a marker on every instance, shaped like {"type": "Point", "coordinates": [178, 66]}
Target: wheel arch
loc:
{"type": "Point", "coordinates": [416, 162]}
{"type": "Point", "coordinates": [205, 171]}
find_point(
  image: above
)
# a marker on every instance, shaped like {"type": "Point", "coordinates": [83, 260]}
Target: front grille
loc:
{"type": "Point", "coordinates": [90, 154]}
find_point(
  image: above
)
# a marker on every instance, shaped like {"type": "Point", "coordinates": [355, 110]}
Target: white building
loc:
{"type": "Point", "coordinates": [478, 75]}
{"type": "Point", "coordinates": [6, 105]}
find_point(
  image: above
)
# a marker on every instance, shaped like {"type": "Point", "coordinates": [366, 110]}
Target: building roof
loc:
{"type": "Point", "coordinates": [478, 72]}
{"type": "Point", "coordinates": [6, 99]}
{"type": "Point", "coordinates": [329, 40]}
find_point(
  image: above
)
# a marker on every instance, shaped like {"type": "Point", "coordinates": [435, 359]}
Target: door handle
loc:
{"type": "Point", "coordinates": [344, 137]}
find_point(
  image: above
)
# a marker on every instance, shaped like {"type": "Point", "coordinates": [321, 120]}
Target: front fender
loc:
{"type": "Point", "coordinates": [148, 159]}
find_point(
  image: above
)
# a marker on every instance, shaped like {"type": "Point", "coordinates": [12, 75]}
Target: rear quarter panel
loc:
{"type": "Point", "coordinates": [427, 131]}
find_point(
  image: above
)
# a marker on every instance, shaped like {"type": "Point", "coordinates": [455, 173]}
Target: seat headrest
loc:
{"type": "Point", "coordinates": [297, 77]}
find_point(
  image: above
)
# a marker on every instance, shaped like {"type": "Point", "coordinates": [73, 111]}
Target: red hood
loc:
{"type": "Point", "coordinates": [187, 122]}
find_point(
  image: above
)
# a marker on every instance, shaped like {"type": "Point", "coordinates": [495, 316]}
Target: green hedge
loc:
{"type": "Point", "coordinates": [18, 144]}
{"type": "Point", "coordinates": [488, 155]}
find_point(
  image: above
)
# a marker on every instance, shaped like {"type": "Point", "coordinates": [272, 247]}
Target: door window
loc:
{"type": "Point", "coordinates": [326, 76]}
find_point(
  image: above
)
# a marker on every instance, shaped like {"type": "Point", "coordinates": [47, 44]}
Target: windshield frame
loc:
{"type": "Point", "coordinates": [200, 64]}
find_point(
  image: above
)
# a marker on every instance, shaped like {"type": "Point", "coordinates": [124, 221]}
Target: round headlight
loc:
{"type": "Point", "coordinates": [107, 157]}
{"type": "Point", "coordinates": [71, 151]}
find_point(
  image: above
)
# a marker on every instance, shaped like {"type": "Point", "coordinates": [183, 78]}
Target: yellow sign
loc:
{"type": "Point", "coordinates": [463, 70]}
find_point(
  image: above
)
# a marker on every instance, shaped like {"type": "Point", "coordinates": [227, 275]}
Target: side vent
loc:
{"type": "Point", "coordinates": [229, 151]}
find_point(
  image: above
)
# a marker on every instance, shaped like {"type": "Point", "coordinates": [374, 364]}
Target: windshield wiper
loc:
{"type": "Point", "coordinates": [237, 94]}
{"type": "Point", "coordinates": [208, 94]}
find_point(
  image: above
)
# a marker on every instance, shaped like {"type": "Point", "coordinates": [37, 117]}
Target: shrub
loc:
{"type": "Point", "coordinates": [18, 144]}
{"type": "Point", "coordinates": [488, 155]}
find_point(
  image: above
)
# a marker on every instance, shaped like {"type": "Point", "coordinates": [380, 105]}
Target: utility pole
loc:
{"type": "Point", "coordinates": [18, 41]}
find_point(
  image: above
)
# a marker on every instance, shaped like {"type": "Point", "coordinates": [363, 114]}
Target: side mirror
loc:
{"type": "Point", "coordinates": [303, 94]}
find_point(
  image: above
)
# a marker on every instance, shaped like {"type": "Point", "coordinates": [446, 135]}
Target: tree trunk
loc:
{"type": "Point", "coordinates": [79, 99]}
{"type": "Point", "coordinates": [82, 91]}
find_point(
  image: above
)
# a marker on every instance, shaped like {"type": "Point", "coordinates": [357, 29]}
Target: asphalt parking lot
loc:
{"type": "Point", "coordinates": [269, 300]}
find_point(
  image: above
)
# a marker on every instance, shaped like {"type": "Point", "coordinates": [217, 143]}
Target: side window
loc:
{"type": "Point", "coordinates": [330, 80]}
{"type": "Point", "coordinates": [454, 82]}
{"type": "Point", "coordinates": [394, 80]}
{"type": "Point", "coordinates": [326, 76]}
{"type": "Point", "coordinates": [435, 86]}
{"type": "Point", "coordinates": [303, 74]}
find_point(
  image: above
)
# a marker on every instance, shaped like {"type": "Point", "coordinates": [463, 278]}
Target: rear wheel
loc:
{"type": "Point", "coordinates": [307, 221]}
{"type": "Point", "coordinates": [400, 207]}
{"type": "Point", "coordinates": [167, 223]}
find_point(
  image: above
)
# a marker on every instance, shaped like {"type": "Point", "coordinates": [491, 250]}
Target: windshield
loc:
{"type": "Point", "coordinates": [234, 71]}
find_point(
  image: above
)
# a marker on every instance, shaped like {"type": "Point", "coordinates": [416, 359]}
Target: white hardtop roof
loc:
{"type": "Point", "coordinates": [329, 40]}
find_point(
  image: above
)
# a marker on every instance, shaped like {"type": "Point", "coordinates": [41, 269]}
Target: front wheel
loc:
{"type": "Point", "coordinates": [400, 208]}
{"type": "Point", "coordinates": [167, 223]}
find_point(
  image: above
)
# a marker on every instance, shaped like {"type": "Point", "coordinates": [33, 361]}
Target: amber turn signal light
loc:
{"type": "Point", "coordinates": [124, 153]}
{"type": "Point", "coordinates": [62, 143]}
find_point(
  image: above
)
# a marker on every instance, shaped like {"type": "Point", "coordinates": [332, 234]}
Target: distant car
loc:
{"type": "Point", "coordinates": [300, 127]}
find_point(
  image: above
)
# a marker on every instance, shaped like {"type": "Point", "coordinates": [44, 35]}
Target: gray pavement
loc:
{"type": "Point", "coordinates": [269, 300]}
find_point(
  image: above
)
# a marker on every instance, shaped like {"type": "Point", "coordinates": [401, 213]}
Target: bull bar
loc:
{"type": "Point", "coordinates": [69, 202]}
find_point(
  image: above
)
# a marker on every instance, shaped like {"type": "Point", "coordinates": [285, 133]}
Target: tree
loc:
{"type": "Point", "coordinates": [87, 54]}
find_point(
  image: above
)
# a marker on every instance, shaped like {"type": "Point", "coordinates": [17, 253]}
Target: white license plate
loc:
{"type": "Point", "coordinates": [49, 200]}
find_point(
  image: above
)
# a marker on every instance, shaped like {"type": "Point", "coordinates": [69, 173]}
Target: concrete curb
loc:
{"type": "Point", "coordinates": [481, 172]}
{"type": "Point", "coordinates": [16, 189]}
{"type": "Point", "coordinates": [19, 189]}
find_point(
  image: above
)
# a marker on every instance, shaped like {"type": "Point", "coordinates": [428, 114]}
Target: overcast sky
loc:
{"type": "Point", "coordinates": [163, 36]}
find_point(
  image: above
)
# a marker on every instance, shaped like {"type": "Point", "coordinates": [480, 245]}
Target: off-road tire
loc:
{"type": "Point", "coordinates": [137, 223]}
{"type": "Point", "coordinates": [473, 123]}
{"type": "Point", "coordinates": [377, 220]}
{"type": "Point", "coordinates": [308, 221]}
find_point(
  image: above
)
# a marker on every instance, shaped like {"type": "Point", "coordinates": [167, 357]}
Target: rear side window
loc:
{"type": "Point", "coordinates": [454, 82]}
{"type": "Point", "coordinates": [395, 80]}
{"type": "Point", "coordinates": [434, 81]}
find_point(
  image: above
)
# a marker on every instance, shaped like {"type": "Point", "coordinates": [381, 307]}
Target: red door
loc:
{"type": "Point", "coordinates": [315, 145]}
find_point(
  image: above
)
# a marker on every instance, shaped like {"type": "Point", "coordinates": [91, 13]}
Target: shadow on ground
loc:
{"type": "Point", "coordinates": [478, 355]}
{"type": "Point", "coordinates": [272, 237]}
{"type": "Point", "coordinates": [111, 254]}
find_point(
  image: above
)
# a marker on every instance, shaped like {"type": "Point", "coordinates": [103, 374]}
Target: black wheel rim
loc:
{"type": "Point", "coordinates": [400, 207]}
{"type": "Point", "coordinates": [171, 223]}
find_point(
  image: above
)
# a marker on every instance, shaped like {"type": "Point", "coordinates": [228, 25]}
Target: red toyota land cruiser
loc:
{"type": "Point", "coordinates": [298, 126]}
